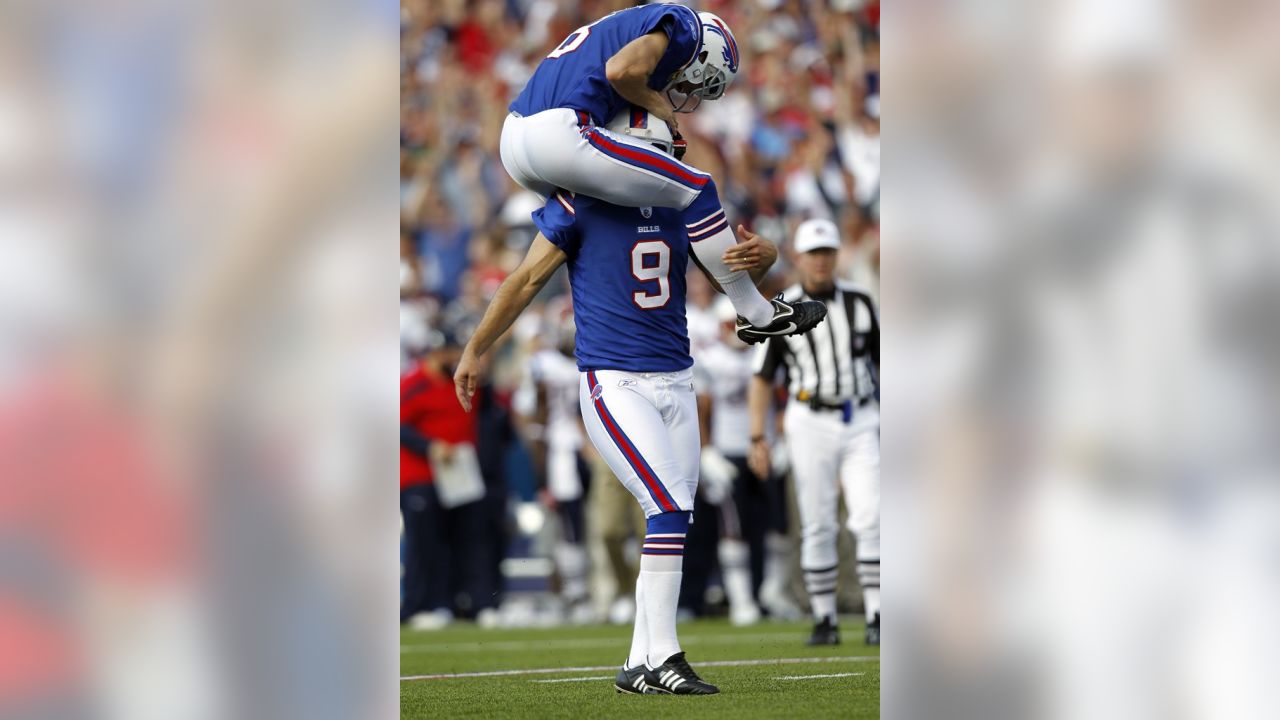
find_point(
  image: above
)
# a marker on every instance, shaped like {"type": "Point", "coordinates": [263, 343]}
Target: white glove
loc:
{"type": "Point", "coordinates": [780, 458]}
{"type": "Point", "coordinates": [717, 475]}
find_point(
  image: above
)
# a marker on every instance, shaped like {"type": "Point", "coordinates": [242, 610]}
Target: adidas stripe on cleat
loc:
{"type": "Point", "coordinates": [676, 678]}
{"type": "Point", "coordinates": [633, 682]}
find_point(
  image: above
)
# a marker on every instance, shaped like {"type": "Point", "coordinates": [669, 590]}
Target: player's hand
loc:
{"type": "Point", "coordinates": [667, 114]}
{"type": "Point", "coordinates": [441, 453]}
{"type": "Point", "coordinates": [547, 499]}
{"type": "Point", "coordinates": [466, 377]}
{"type": "Point", "coordinates": [758, 458]}
{"type": "Point", "coordinates": [750, 253]}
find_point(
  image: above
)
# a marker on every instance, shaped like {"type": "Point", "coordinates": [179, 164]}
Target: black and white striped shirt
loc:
{"type": "Point", "coordinates": [838, 360]}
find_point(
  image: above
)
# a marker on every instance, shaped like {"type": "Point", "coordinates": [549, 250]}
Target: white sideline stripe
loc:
{"type": "Point", "coordinates": [585, 643]}
{"type": "Point", "coordinates": [810, 677]}
{"type": "Point", "coordinates": [597, 668]}
{"type": "Point", "coordinates": [581, 679]}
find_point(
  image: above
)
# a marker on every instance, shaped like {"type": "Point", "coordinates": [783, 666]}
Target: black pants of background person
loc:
{"type": "Point", "coordinates": [760, 506]}
{"type": "Point", "coordinates": [426, 552]}
{"type": "Point", "coordinates": [449, 555]}
{"type": "Point", "coordinates": [473, 551]}
{"type": "Point", "coordinates": [495, 435]}
{"type": "Point", "coordinates": [700, 547]}
{"type": "Point", "coordinates": [495, 523]}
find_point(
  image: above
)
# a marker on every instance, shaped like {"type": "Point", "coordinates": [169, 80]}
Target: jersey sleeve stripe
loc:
{"type": "Point", "coordinates": [567, 206]}
{"type": "Point", "coordinates": [708, 231]}
{"type": "Point", "coordinates": [638, 157]}
{"type": "Point", "coordinates": [707, 219]}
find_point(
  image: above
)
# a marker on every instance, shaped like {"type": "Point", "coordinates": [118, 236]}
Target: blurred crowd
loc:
{"type": "Point", "coordinates": [796, 137]}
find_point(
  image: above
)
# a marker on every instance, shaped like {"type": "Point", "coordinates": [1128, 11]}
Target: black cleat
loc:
{"type": "Point", "coordinates": [633, 681]}
{"type": "Point", "coordinates": [825, 633]}
{"type": "Point", "coordinates": [675, 677]}
{"type": "Point", "coordinates": [873, 630]}
{"type": "Point", "coordinates": [789, 318]}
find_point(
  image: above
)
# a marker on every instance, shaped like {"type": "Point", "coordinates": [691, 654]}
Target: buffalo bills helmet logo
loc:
{"type": "Point", "coordinates": [730, 49]}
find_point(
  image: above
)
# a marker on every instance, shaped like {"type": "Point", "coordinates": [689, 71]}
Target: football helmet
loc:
{"type": "Point", "coordinates": [641, 124]}
{"type": "Point", "coordinates": [709, 74]}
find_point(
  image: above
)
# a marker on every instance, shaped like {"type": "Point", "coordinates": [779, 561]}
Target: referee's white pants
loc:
{"type": "Point", "coordinates": [828, 455]}
{"type": "Point", "coordinates": [558, 149]}
{"type": "Point", "coordinates": [645, 425]}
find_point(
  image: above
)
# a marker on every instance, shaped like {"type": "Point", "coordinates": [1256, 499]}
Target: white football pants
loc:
{"type": "Point", "coordinates": [645, 425]}
{"type": "Point", "coordinates": [827, 454]}
{"type": "Point", "coordinates": [560, 148]}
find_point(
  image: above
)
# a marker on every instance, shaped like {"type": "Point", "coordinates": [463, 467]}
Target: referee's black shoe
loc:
{"type": "Point", "coordinates": [676, 677]}
{"type": "Point", "coordinates": [825, 633]}
{"type": "Point", "coordinates": [789, 318]}
{"type": "Point", "coordinates": [873, 630]}
{"type": "Point", "coordinates": [633, 681]}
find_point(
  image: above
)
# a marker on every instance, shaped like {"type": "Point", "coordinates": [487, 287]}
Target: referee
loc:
{"type": "Point", "coordinates": [831, 424]}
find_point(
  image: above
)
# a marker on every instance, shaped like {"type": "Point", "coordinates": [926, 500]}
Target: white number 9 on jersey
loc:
{"type": "Point", "coordinates": [650, 262]}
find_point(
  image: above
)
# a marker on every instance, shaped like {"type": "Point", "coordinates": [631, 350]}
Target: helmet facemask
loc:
{"type": "Point", "coordinates": [684, 102]}
{"type": "Point", "coordinates": [698, 83]}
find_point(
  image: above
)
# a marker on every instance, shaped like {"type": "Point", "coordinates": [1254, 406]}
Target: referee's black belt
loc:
{"type": "Point", "coordinates": [846, 408]}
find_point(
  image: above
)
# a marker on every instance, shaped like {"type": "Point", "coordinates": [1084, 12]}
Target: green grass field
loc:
{"type": "Point", "coordinates": [575, 668]}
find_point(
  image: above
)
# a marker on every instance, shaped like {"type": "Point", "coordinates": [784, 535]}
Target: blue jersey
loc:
{"type": "Point", "coordinates": [572, 76]}
{"type": "Point", "coordinates": [627, 272]}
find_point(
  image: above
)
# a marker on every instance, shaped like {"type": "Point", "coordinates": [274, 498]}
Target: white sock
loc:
{"type": "Point", "coordinates": [661, 565]}
{"type": "Point", "coordinates": [661, 578]}
{"type": "Point", "coordinates": [871, 599]}
{"type": "Point", "coordinates": [747, 300]}
{"type": "Point", "coordinates": [869, 578]}
{"type": "Point", "coordinates": [735, 573]}
{"type": "Point", "coordinates": [737, 284]}
{"type": "Point", "coordinates": [821, 584]}
{"type": "Point", "coordinates": [640, 636]}
{"type": "Point", "coordinates": [824, 606]}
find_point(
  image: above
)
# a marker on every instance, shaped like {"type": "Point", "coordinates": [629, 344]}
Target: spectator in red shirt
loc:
{"type": "Point", "coordinates": [447, 549]}
{"type": "Point", "coordinates": [425, 592]}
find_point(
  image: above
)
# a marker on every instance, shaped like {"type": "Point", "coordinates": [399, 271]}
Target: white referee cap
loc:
{"type": "Point", "coordinates": [816, 234]}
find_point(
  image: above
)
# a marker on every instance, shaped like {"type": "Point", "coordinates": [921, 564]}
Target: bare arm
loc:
{"type": "Point", "coordinates": [629, 70]}
{"type": "Point", "coordinates": [704, 419]}
{"type": "Point", "coordinates": [513, 296]}
{"type": "Point", "coordinates": [757, 409]}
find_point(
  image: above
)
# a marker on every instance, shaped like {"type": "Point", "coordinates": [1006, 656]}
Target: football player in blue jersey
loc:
{"type": "Point", "coordinates": [627, 275]}
{"type": "Point", "coordinates": [662, 58]}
